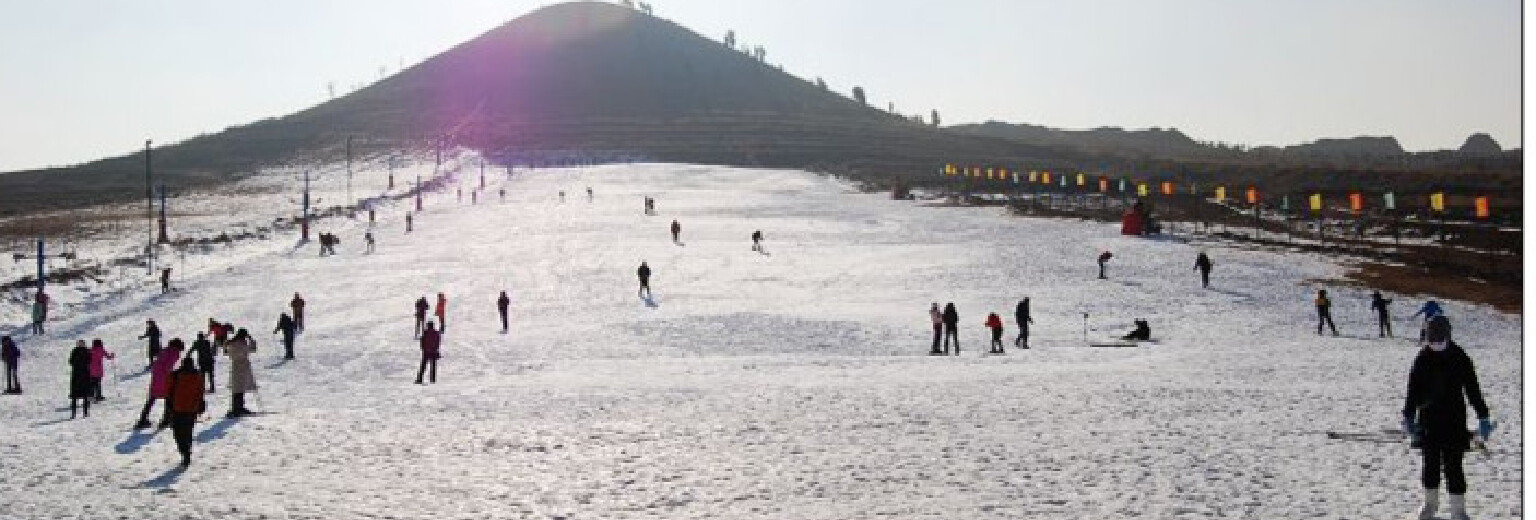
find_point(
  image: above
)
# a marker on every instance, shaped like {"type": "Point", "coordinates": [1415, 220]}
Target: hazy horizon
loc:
{"type": "Point", "coordinates": [100, 80]}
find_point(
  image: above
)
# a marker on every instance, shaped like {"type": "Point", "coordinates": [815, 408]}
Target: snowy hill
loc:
{"type": "Point", "coordinates": [793, 384]}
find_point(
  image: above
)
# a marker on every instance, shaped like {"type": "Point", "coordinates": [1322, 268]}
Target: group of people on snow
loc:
{"type": "Point", "coordinates": [946, 323]}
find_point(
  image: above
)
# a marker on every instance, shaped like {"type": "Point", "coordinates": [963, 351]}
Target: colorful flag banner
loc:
{"type": "Point", "coordinates": [1167, 188]}
{"type": "Point", "coordinates": [1015, 177]}
{"type": "Point", "coordinates": [1389, 200]}
{"type": "Point", "coordinates": [1315, 201]}
{"type": "Point", "coordinates": [1221, 193]}
{"type": "Point", "coordinates": [1480, 207]}
{"type": "Point", "coordinates": [1063, 181]}
{"type": "Point", "coordinates": [1082, 180]}
{"type": "Point", "coordinates": [1103, 185]}
{"type": "Point", "coordinates": [1253, 195]}
{"type": "Point", "coordinates": [1437, 201]}
{"type": "Point", "coordinates": [1141, 189]}
{"type": "Point", "coordinates": [1122, 185]}
{"type": "Point", "coordinates": [1045, 177]}
{"type": "Point", "coordinates": [1285, 202]}
{"type": "Point", "coordinates": [1356, 202]}
{"type": "Point", "coordinates": [1034, 176]}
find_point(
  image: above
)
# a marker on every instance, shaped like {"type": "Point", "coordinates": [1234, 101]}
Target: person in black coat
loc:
{"type": "Point", "coordinates": [152, 333]}
{"type": "Point", "coordinates": [1104, 260]}
{"type": "Point", "coordinates": [1022, 318]}
{"type": "Point", "coordinates": [1383, 318]}
{"type": "Point", "coordinates": [1441, 384]}
{"type": "Point", "coordinates": [1203, 264]}
{"type": "Point", "coordinates": [645, 279]}
{"type": "Point", "coordinates": [421, 314]}
{"type": "Point", "coordinates": [288, 327]}
{"type": "Point", "coordinates": [202, 349]}
{"type": "Point", "coordinates": [951, 323]}
{"type": "Point", "coordinates": [503, 302]}
{"type": "Point", "coordinates": [81, 386]}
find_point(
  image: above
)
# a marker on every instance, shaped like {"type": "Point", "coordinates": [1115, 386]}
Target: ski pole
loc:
{"type": "Point", "coordinates": [1085, 327]}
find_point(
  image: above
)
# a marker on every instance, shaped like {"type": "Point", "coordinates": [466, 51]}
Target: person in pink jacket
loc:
{"type": "Point", "coordinates": [160, 381]}
{"type": "Point", "coordinates": [99, 353]}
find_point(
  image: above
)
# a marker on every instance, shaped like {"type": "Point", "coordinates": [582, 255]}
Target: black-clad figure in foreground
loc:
{"type": "Point", "coordinates": [1441, 384]}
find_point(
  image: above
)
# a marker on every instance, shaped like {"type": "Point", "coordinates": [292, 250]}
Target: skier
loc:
{"type": "Point", "coordinates": [938, 327]}
{"type": "Point", "coordinates": [204, 351]}
{"type": "Point", "coordinates": [1022, 318]}
{"type": "Point", "coordinates": [407, 222]}
{"type": "Point", "coordinates": [185, 402]}
{"type": "Point", "coordinates": [39, 312]}
{"type": "Point", "coordinates": [431, 342]}
{"type": "Point", "coordinates": [421, 315]}
{"type": "Point", "coordinates": [1203, 264]}
{"type": "Point", "coordinates": [99, 353]}
{"type": "Point", "coordinates": [152, 332]}
{"type": "Point", "coordinates": [165, 280]}
{"type": "Point", "coordinates": [1383, 318]}
{"type": "Point", "coordinates": [1142, 332]}
{"type": "Point", "coordinates": [757, 241]}
{"type": "Point", "coordinates": [80, 382]}
{"type": "Point", "coordinates": [1430, 309]}
{"type": "Point", "coordinates": [1323, 312]}
{"type": "Point", "coordinates": [241, 378]}
{"type": "Point", "coordinates": [501, 308]}
{"type": "Point", "coordinates": [1441, 384]}
{"type": "Point", "coordinates": [589, 194]}
{"type": "Point", "coordinates": [645, 279]}
{"type": "Point", "coordinates": [1104, 259]}
{"type": "Point", "coordinates": [368, 238]}
{"type": "Point", "coordinates": [676, 228]}
{"type": "Point", "coordinates": [159, 380]}
{"type": "Point", "coordinates": [442, 313]}
{"type": "Point", "coordinates": [286, 326]}
{"type": "Point", "coordinates": [297, 304]}
{"type": "Point", "coordinates": [11, 355]}
{"type": "Point", "coordinates": [650, 206]}
{"type": "Point", "coordinates": [995, 323]}
{"type": "Point", "coordinates": [503, 193]}
{"type": "Point", "coordinates": [951, 322]}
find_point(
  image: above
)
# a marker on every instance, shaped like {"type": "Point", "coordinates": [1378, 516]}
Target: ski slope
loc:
{"type": "Point", "coordinates": [794, 384]}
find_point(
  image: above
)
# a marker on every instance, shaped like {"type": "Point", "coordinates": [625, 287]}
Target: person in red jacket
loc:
{"type": "Point", "coordinates": [442, 312]}
{"type": "Point", "coordinates": [185, 402]}
{"type": "Point", "coordinates": [431, 342]}
{"type": "Point", "coordinates": [995, 323]}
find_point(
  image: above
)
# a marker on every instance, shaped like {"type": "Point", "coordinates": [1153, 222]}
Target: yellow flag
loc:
{"type": "Point", "coordinates": [1437, 201]}
{"type": "Point", "coordinates": [1082, 180]}
{"type": "Point", "coordinates": [1045, 177]}
{"type": "Point", "coordinates": [1315, 201]}
{"type": "Point", "coordinates": [1034, 176]}
{"type": "Point", "coordinates": [1141, 189]}
{"type": "Point", "coordinates": [1221, 193]}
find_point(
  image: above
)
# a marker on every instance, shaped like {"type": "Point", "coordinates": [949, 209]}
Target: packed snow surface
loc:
{"type": "Point", "coordinates": [793, 384]}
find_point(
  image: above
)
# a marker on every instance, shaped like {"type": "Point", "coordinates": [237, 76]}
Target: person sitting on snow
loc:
{"type": "Point", "coordinates": [1143, 332]}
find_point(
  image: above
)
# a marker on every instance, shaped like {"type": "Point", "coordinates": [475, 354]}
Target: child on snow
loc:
{"type": "Point", "coordinates": [1441, 384]}
{"type": "Point", "coordinates": [995, 323]}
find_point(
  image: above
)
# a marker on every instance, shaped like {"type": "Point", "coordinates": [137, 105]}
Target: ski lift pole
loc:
{"type": "Point", "coordinates": [41, 280]}
{"type": "Point", "coordinates": [1085, 327]}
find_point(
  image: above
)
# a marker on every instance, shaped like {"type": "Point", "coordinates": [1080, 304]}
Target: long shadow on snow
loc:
{"type": "Point", "coordinates": [166, 479]}
{"type": "Point", "coordinates": [135, 441]}
{"type": "Point", "coordinates": [55, 421]}
{"type": "Point", "coordinates": [279, 363]}
{"type": "Point", "coordinates": [216, 431]}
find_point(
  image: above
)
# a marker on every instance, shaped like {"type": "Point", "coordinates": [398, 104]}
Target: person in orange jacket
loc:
{"type": "Point", "coordinates": [995, 323]}
{"type": "Point", "coordinates": [442, 313]}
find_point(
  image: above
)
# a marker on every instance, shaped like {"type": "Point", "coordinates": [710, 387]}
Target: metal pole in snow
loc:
{"type": "Point", "coordinates": [41, 281]}
{"type": "Point", "coordinates": [1085, 327]}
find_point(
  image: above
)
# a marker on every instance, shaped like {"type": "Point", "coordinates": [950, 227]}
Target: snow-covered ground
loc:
{"type": "Point", "coordinates": [793, 384]}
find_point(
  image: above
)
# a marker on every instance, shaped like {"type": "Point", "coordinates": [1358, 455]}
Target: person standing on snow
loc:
{"type": "Point", "coordinates": [1383, 318]}
{"type": "Point", "coordinates": [1103, 260]}
{"type": "Point", "coordinates": [185, 402]}
{"type": "Point", "coordinates": [1430, 309]}
{"type": "Point", "coordinates": [297, 304]}
{"type": "Point", "coordinates": [1022, 318]}
{"type": "Point", "coordinates": [645, 279]}
{"type": "Point", "coordinates": [442, 313]}
{"type": "Point", "coordinates": [938, 327]}
{"type": "Point", "coordinates": [995, 323]}
{"type": "Point", "coordinates": [1441, 384]}
{"type": "Point", "coordinates": [589, 194]}
{"type": "Point", "coordinates": [757, 240]}
{"type": "Point", "coordinates": [99, 355]}
{"type": "Point", "coordinates": [676, 229]}
{"type": "Point", "coordinates": [241, 378]}
{"type": "Point", "coordinates": [951, 323]}
{"type": "Point", "coordinates": [431, 344]}
{"type": "Point", "coordinates": [159, 381]}
{"type": "Point", "coordinates": [1203, 264]}
{"type": "Point", "coordinates": [204, 351]}
{"type": "Point", "coordinates": [152, 332]}
{"type": "Point", "coordinates": [421, 315]}
{"type": "Point", "coordinates": [80, 386]}
{"type": "Point", "coordinates": [407, 222]}
{"type": "Point", "coordinates": [11, 355]}
{"type": "Point", "coordinates": [368, 239]}
{"type": "Point", "coordinates": [165, 280]}
{"type": "Point", "coordinates": [39, 312]}
{"type": "Point", "coordinates": [502, 302]}
{"type": "Point", "coordinates": [562, 196]}
{"type": "Point", "coordinates": [286, 326]}
{"type": "Point", "coordinates": [1324, 314]}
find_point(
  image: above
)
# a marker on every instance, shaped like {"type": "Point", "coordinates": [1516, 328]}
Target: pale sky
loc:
{"type": "Point", "coordinates": [81, 80]}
